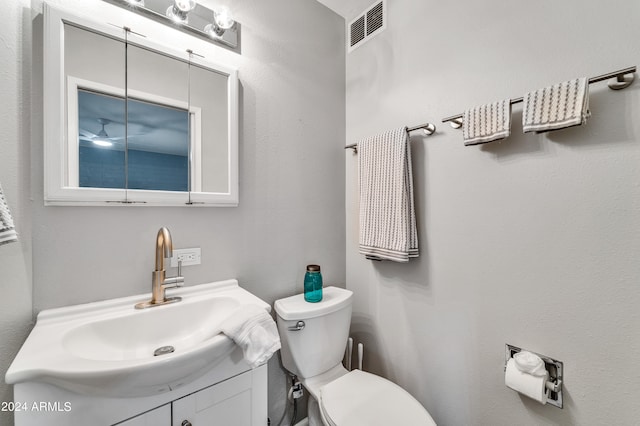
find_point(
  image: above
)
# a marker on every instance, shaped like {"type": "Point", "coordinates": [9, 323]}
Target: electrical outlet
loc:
{"type": "Point", "coordinates": [190, 256]}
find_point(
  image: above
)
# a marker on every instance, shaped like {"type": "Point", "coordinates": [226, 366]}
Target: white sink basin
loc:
{"type": "Point", "coordinates": [107, 348]}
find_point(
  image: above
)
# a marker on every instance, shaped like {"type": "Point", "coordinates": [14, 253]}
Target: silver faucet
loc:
{"type": "Point", "coordinates": [164, 249]}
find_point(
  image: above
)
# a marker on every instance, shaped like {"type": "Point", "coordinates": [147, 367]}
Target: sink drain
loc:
{"type": "Point", "coordinates": [163, 350]}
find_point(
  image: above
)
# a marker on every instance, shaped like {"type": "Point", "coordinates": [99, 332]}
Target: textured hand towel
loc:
{"type": "Point", "coordinates": [7, 230]}
{"type": "Point", "coordinates": [253, 329]}
{"type": "Point", "coordinates": [387, 217]}
{"type": "Point", "coordinates": [556, 107]}
{"type": "Point", "coordinates": [487, 123]}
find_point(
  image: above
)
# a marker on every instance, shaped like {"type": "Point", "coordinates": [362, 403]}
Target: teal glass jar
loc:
{"type": "Point", "coordinates": [313, 284]}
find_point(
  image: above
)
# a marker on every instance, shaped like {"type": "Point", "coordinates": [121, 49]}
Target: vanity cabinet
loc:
{"type": "Point", "coordinates": [97, 364]}
{"type": "Point", "coordinates": [230, 394]}
{"type": "Point", "coordinates": [227, 403]}
{"type": "Point", "coordinates": [161, 416]}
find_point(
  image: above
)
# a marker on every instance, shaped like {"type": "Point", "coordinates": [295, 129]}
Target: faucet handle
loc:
{"type": "Point", "coordinates": [177, 281]}
{"type": "Point", "coordinates": [173, 282]}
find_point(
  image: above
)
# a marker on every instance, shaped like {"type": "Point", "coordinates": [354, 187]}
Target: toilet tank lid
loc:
{"type": "Point", "coordinates": [296, 308]}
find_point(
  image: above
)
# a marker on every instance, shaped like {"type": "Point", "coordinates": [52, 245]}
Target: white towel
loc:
{"type": "Point", "coordinates": [387, 217]}
{"type": "Point", "coordinates": [556, 107]}
{"type": "Point", "coordinates": [487, 123]}
{"type": "Point", "coordinates": [7, 230]}
{"type": "Point", "coordinates": [253, 329]}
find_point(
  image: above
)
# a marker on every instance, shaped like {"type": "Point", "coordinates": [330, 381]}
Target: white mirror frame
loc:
{"type": "Point", "coordinates": [57, 191]}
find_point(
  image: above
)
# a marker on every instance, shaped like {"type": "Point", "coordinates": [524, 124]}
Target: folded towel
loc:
{"type": "Point", "coordinates": [487, 123]}
{"type": "Point", "coordinates": [556, 107]}
{"type": "Point", "coordinates": [387, 217]}
{"type": "Point", "coordinates": [7, 230]}
{"type": "Point", "coordinates": [253, 329]}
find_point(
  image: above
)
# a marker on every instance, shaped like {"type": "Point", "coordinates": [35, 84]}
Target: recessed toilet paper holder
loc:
{"type": "Point", "coordinates": [553, 366]}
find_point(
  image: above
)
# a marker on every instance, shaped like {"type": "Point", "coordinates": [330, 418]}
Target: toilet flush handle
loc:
{"type": "Point", "coordinates": [299, 326]}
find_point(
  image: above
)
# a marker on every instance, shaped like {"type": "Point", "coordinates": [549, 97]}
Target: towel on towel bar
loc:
{"type": "Point", "coordinates": [556, 107]}
{"type": "Point", "coordinates": [387, 216]}
{"type": "Point", "coordinates": [487, 123]}
{"type": "Point", "coordinates": [7, 230]}
{"type": "Point", "coordinates": [253, 329]}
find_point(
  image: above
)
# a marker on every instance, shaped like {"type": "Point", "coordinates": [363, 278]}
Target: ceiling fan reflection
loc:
{"type": "Point", "coordinates": [101, 138]}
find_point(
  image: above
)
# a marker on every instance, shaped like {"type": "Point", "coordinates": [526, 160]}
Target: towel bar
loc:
{"type": "Point", "coordinates": [623, 78]}
{"type": "Point", "coordinates": [428, 128]}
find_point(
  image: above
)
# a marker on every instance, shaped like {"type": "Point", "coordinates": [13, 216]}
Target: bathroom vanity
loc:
{"type": "Point", "coordinates": [231, 394]}
{"type": "Point", "coordinates": [99, 363]}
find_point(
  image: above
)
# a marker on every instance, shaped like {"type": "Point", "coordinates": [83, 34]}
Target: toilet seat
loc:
{"type": "Point", "coordinates": [364, 399]}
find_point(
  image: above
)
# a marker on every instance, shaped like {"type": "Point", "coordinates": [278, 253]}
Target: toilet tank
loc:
{"type": "Point", "coordinates": [320, 345]}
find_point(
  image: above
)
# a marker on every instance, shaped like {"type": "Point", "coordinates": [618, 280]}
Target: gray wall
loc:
{"type": "Point", "coordinates": [533, 241]}
{"type": "Point", "coordinates": [291, 213]}
{"type": "Point", "coordinates": [15, 131]}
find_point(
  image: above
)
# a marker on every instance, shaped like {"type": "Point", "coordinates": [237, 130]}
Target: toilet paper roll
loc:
{"type": "Point", "coordinates": [529, 363]}
{"type": "Point", "coordinates": [528, 385]}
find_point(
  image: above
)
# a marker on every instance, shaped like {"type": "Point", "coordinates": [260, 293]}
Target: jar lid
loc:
{"type": "Point", "coordinates": [313, 268]}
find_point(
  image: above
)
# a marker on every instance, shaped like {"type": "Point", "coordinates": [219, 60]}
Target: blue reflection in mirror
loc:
{"type": "Point", "coordinates": [155, 156]}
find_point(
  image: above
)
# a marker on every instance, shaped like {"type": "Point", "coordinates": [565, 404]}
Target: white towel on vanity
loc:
{"type": "Point", "coordinates": [556, 107]}
{"type": "Point", "coordinates": [387, 217]}
{"type": "Point", "coordinates": [7, 230]}
{"type": "Point", "coordinates": [252, 328]}
{"type": "Point", "coordinates": [487, 123]}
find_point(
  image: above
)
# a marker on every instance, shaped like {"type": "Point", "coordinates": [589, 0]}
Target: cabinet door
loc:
{"type": "Point", "coordinates": [239, 401]}
{"type": "Point", "coordinates": [161, 416]}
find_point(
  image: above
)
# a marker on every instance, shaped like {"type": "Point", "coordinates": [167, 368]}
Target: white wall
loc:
{"type": "Point", "coordinates": [533, 241]}
{"type": "Point", "coordinates": [291, 209]}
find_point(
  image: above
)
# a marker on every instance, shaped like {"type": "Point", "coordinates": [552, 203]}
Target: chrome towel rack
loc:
{"type": "Point", "coordinates": [427, 128]}
{"type": "Point", "coordinates": [621, 79]}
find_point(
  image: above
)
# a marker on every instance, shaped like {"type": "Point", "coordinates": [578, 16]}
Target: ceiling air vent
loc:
{"type": "Point", "coordinates": [375, 18]}
{"type": "Point", "coordinates": [368, 24]}
{"type": "Point", "coordinates": [357, 31]}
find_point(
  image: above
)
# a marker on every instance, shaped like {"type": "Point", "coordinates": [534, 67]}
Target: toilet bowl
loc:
{"type": "Point", "coordinates": [314, 337]}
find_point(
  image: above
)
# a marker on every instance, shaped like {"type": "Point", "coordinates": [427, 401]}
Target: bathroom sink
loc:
{"type": "Point", "coordinates": [109, 348]}
{"type": "Point", "coordinates": [137, 335]}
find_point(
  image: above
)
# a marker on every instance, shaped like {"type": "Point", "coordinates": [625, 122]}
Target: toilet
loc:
{"type": "Point", "coordinates": [314, 337]}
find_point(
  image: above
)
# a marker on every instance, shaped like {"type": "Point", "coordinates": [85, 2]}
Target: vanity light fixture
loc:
{"type": "Point", "coordinates": [222, 21]}
{"type": "Point", "coordinates": [215, 25]}
{"type": "Point", "coordinates": [179, 10]}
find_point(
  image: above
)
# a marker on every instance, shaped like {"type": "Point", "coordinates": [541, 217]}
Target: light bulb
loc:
{"type": "Point", "coordinates": [222, 18]}
{"type": "Point", "coordinates": [222, 21]}
{"type": "Point", "coordinates": [185, 5]}
{"type": "Point", "coordinates": [179, 10]}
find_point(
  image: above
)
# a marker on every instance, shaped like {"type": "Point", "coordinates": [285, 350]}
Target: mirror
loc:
{"type": "Point", "coordinates": [152, 155]}
{"type": "Point", "coordinates": [129, 121]}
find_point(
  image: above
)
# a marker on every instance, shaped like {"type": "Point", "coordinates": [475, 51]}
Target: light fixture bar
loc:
{"type": "Point", "coordinates": [200, 20]}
